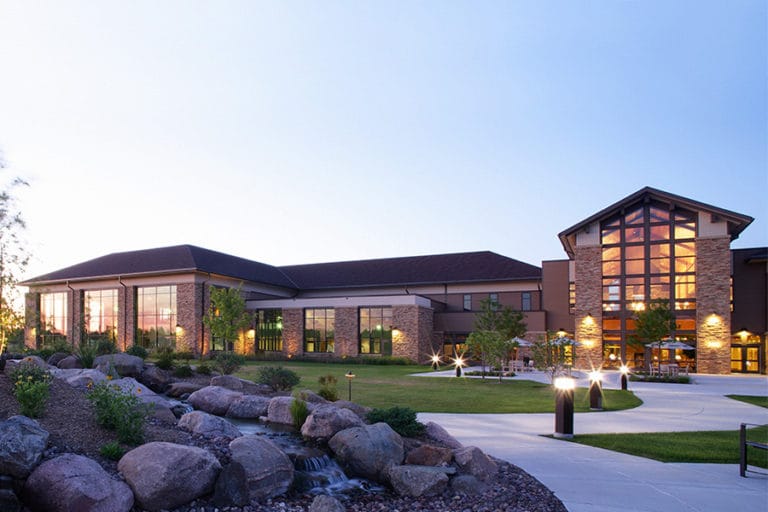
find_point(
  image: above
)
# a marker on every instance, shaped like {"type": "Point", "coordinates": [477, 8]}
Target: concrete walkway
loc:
{"type": "Point", "coordinates": [590, 479]}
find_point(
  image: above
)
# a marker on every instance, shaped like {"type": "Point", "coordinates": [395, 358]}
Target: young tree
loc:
{"type": "Point", "coordinates": [655, 323]}
{"type": "Point", "coordinates": [482, 343]}
{"type": "Point", "coordinates": [553, 355]}
{"type": "Point", "coordinates": [507, 323]}
{"type": "Point", "coordinates": [227, 316]}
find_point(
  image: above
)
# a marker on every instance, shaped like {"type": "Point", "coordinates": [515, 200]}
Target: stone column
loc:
{"type": "Point", "coordinates": [413, 337]}
{"type": "Point", "coordinates": [589, 333]}
{"type": "Point", "coordinates": [293, 331]}
{"type": "Point", "coordinates": [189, 317]}
{"type": "Point", "coordinates": [31, 319]}
{"type": "Point", "coordinates": [346, 332]}
{"type": "Point", "coordinates": [713, 309]}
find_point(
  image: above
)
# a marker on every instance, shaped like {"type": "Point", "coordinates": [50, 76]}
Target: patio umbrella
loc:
{"type": "Point", "coordinates": [565, 340]}
{"type": "Point", "coordinates": [521, 342]}
{"type": "Point", "coordinates": [673, 345]}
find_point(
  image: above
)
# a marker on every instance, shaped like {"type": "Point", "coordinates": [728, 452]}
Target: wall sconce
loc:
{"type": "Point", "coordinates": [713, 344]}
{"type": "Point", "coordinates": [179, 330]}
{"type": "Point", "coordinates": [743, 334]}
{"type": "Point", "coordinates": [588, 343]}
{"type": "Point", "coordinates": [589, 319]}
{"type": "Point", "coordinates": [561, 333]}
{"type": "Point", "coordinates": [713, 319]}
{"type": "Point", "coordinates": [251, 334]}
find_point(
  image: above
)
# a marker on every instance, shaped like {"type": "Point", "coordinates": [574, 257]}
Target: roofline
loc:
{"type": "Point", "coordinates": [422, 283]}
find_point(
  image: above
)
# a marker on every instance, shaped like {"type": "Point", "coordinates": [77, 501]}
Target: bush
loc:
{"type": "Point", "coordinates": [138, 351]}
{"type": "Point", "coordinates": [62, 346]}
{"type": "Point", "coordinates": [183, 370]}
{"type": "Point", "coordinates": [165, 357]}
{"type": "Point", "coordinates": [328, 387]}
{"type": "Point", "coordinates": [122, 412]}
{"type": "Point", "coordinates": [401, 419]}
{"type": "Point", "coordinates": [104, 347]}
{"type": "Point", "coordinates": [185, 355]}
{"type": "Point", "coordinates": [43, 353]}
{"type": "Point", "coordinates": [229, 363]}
{"type": "Point", "coordinates": [299, 411]}
{"type": "Point", "coordinates": [386, 360]}
{"type": "Point", "coordinates": [203, 369]}
{"type": "Point", "coordinates": [112, 451]}
{"type": "Point", "coordinates": [86, 354]}
{"type": "Point", "coordinates": [31, 386]}
{"type": "Point", "coordinates": [279, 379]}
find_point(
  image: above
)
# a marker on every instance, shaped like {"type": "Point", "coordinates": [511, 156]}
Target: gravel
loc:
{"type": "Point", "coordinates": [70, 420]}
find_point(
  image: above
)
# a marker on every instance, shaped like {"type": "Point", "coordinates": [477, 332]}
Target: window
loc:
{"type": "Point", "coordinates": [376, 330]}
{"type": "Point", "coordinates": [467, 302]}
{"type": "Point", "coordinates": [53, 318]}
{"type": "Point", "coordinates": [571, 297]}
{"type": "Point", "coordinates": [269, 330]}
{"type": "Point", "coordinates": [526, 301]}
{"type": "Point", "coordinates": [493, 298]}
{"type": "Point", "coordinates": [318, 330]}
{"type": "Point", "coordinates": [100, 315]}
{"type": "Point", "coordinates": [156, 316]}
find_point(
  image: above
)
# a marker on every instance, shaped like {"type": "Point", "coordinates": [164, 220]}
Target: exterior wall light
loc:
{"type": "Point", "coordinates": [713, 319]}
{"type": "Point", "coordinates": [564, 407]}
{"type": "Point", "coordinates": [179, 330]}
{"type": "Point", "coordinates": [252, 334]}
{"type": "Point", "coordinates": [589, 319]}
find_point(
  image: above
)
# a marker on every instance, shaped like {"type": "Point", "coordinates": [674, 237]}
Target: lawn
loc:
{"type": "Point", "coordinates": [720, 447]}
{"type": "Point", "coordinates": [383, 386]}
{"type": "Point", "coordinates": [761, 401]}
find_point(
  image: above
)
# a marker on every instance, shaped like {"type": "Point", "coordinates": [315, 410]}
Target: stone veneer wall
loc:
{"type": "Point", "coordinates": [189, 316]}
{"type": "Point", "coordinates": [713, 313]}
{"type": "Point", "coordinates": [413, 338]}
{"type": "Point", "coordinates": [346, 332]}
{"type": "Point", "coordinates": [293, 331]}
{"type": "Point", "coordinates": [128, 316]}
{"type": "Point", "coordinates": [75, 308]}
{"type": "Point", "coordinates": [31, 317]}
{"type": "Point", "coordinates": [588, 280]}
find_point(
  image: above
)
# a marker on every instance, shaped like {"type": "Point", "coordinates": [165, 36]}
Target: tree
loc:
{"type": "Point", "coordinates": [483, 343]}
{"type": "Point", "coordinates": [227, 316]}
{"type": "Point", "coordinates": [654, 324]}
{"type": "Point", "coordinates": [553, 355]}
{"type": "Point", "coordinates": [506, 323]}
{"type": "Point", "coordinates": [13, 259]}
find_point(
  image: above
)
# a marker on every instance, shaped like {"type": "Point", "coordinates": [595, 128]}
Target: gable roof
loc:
{"type": "Point", "coordinates": [737, 222]}
{"type": "Point", "coordinates": [165, 260]}
{"type": "Point", "coordinates": [412, 270]}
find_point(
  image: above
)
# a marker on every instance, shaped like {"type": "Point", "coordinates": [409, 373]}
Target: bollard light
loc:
{"type": "Point", "coordinates": [595, 390]}
{"type": "Point", "coordinates": [349, 375]}
{"type": "Point", "coordinates": [624, 369]}
{"type": "Point", "coordinates": [458, 361]}
{"type": "Point", "coordinates": [435, 361]}
{"type": "Point", "coordinates": [564, 406]}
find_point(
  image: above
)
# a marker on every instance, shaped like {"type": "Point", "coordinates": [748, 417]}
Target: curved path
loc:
{"type": "Point", "coordinates": [590, 479]}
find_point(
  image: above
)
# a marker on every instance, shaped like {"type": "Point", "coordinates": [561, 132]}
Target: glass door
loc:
{"type": "Point", "coordinates": [745, 358]}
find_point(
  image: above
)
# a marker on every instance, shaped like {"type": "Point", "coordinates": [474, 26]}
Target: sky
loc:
{"type": "Point", "coordinates": [293, 132]}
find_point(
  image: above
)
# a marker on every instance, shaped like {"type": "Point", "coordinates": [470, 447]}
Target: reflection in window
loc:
{"type": "Point", "coordinates": [100, 314]}
{"type": "Point", "coordinates": [269, 330]}
{"type": "Point", "coordinates": [53, 318]}
{"type": "Point", "coordinates": [319, 330]}
{"type": "Point", "coordinates": [156, 316]}
{"type": "Point", "coordinates": [376, 330]}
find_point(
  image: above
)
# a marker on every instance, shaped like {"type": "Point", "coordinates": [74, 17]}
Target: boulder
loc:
{"type": "Point", "coordinates": [12, 364]}
{"type": "Point", "coordinates": [325, 503]}
{"type": "Point", "coordinates": [200, 422]}
{"type": "Point", "coordinates": [231, 488]}
{"type": "Point", "coordinates": [437, 433]}
{"type": "Point", "coordinates": [467, 484]}
{"type": "Point", "coordinates": [166, 475]}
{"type": "Point", "coordinates": [9, 502]}
{"type": "Point", "coordinates": [57, 357]}
{"type": "Point", "coordinates": [81, 379]}
{"type": "Point", "coordinates": [326, 420]}
{"type": "Point", "coordinates": [471, 460]}
{"type": "Point", "coordinates": [22, 443]}
{"type": "Point", "coordinates": [249, 407]}
{"type": "Point", "coordinates": [178, 389]}
{"type": "Point", "coordinates": [74, 482]}
{"type": "Point", "coordinates": [429, 455]}
{"type": "Point", "coordinates": [213, 399]}
{"type": "Point", "coordinates": [227, 381]}
{"type": "Point", "coordinates": [124, 364]}
{"type": "Point", "coordinates": [358, 409]}
{"type": "Point", "coordinates": [157, 379]}
{"type": "Point", "coordinates": [311, 397]}
{"type": "Point", "coordinates": [161, 408]}
{"type": "Point", "coordinates": [268, 470]}
{"type": "Point", "coordinates": [279, 410]}
{"type": "Point", "coordinates": [368, 451]}
{"type": "Point", "coordinates": [417, 481]}
{"type": "Point", "coordinates": [70, 362]}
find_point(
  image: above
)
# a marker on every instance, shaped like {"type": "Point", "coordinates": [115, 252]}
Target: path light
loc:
{"type": "Point", "coordinates": [349, 375]}
{"type": "Point", "coordinates": [458, 361]}
{"type": "Point", "coordinates": [564, 406]}
{"type": "Point", "coordinates": [624, 369]}
{"type": "Point", "coordinates": [595, 390]}
{"type": "Point", "coordinates": [435, 358]}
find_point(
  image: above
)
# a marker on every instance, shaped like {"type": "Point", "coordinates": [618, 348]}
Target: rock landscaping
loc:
{"type": "Point", "coordinates": [201, 462]}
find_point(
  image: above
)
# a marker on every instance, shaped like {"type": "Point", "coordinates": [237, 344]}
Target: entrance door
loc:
{"type": "Point", "coordinates": [745, 358]}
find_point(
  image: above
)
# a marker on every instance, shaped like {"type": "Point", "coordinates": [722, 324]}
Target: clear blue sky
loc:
{"type": "Point", "coordinates": [296, 132]}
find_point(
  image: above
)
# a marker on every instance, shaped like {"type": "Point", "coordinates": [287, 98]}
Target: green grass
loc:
{"type": "Point", "coordinates": [382, 386]}
{"type": "Point", "coordinates": [720, 447]}
{"type": "Point", "coordinates": [761, 401]}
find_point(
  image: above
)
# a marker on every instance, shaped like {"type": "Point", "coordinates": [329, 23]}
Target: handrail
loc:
{"type": "Point", "coordinates": [743, 443]}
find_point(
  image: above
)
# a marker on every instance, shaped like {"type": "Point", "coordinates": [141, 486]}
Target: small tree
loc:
{"type": "Point", "coordinates": [553, 356]}
{"type": "Point", "coordinates": [227, 316]}
{"type": "Point", "coordinates": [654, 324]}
{"type": "Point", "coordinates": [506, 323]}
{"type": "Point", "coordinates": [484, 344]}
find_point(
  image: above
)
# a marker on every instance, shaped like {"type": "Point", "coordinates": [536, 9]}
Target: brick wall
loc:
{"type": "Point", "coordinates": [588, 280]}
{"type": "Point", "coordinates": [31, 319]}
{"type": "Point", "coordinates": [189, 317]}
{"type": "Point", "coordinates": [346, 332]}
{"type": "Point", "coordinates": [293, 331]}
{"type": "Point", "coordinates": [413, 338]}
{"type": "Point", "coordinates": [713, 317]}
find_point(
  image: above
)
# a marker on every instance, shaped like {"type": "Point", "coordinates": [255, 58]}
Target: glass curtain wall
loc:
{"type": "Point", "coordinates": [375, 330]}
{"type": "Point", "coordinates": [156, 316]}
{"type": "Point", "coordinates": [269, 330]}
{"type": "Point", "coordinates": [319, 325]}
{"type": "Point", "coordinates": [53, 318]}
{"type": "Point", "coordinates": [100, 315]}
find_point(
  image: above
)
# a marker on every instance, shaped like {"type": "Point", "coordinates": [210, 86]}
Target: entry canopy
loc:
{"type": "Point", "coordinates": [670, 344]}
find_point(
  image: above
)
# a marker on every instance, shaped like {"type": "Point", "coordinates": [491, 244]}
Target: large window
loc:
{"type": "Point", "coordinates": [156, 316]}
{"type": "Point", "coordinates": [318, 330]}
{"type": "Point", "coordinates": [376, 330]}
{"type": "Point", "coordinates": [525, 300]}
{"type": "Point", "coordinates": [53, 318]}
{"type": "Point", "coordinates": [100, 314]}
{"type": "Point", "coordinates": [269, 330]}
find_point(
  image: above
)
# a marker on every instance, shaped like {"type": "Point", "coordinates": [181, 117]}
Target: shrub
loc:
{"type": "Point", "coordinates": [299, 411]}
{"type": "Point", "coordinates": [203, 369]}
{"type": "Point", "coordinates": [62, 346]}
{"type": "Point", "coordinates": [229, 363]}
{"type": "Point", "coordinates": [401, 419]}
{"type": "Point", "coordinates": [185, 355]}
{"type": "Point", "coordinates": [112, 451]}
{"type": "Point", "coordinates": [278, 378]}
{"type": "Point", "coordinates": [86, 353]}
{"type": "Point", "coordinates": [44, 353]}
{"type": "Point", "coordinates": [119, 411]}
{"type": "Point", "coordinates": [183, 370]}
{"type": "Point", "coordinates": [138, 351]}
{"type": "Point", "coordinates": [104, 347]}
{"type": "Point", "coordinates": [165, 357]}
{"type": "Point", "coordinates": [31, 386]}
{"type": "Point", "coordinates": [328, 387]}
{"type": "Point", "coordinates": [386, 360]}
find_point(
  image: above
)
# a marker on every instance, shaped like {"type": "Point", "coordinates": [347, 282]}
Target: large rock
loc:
{"type": "Point", "coordinates": [12, 364]}
{"type": "Point", "coordinates": [368, 451]}
{"type": "Point", "coordinates": [231, 488]}
{"type": "Point", "coordinates": [124, 364]}
{"type": "Point", "coordinates": [467, 484]}
{"type": "Point", "coordinates": [81, 379]}
{"type": "Point", "coordinates": [227, 381]}
{"type": "Point", "coordinates": [160, 407]}
{"type": "Point", "coordinates": [417, 481]}
{"type": "Point", "coordinates": [361, 410]}
{"type": "Point", "coordinates": [311, 397]}
{"type": "Point", "coordinates": [22, 443]}
{"type": "Point", "coordinates": [471, 460]}
{"type": "Point", "coordinates": [249, 407]}
{"type": "Point", "coordinates": [428, 455]}
{"type": "Point", "coordinates": [181, 388]}
{"type": "Point", "coordinates": [74, 482]}
{"type": "Point", "coordinates": [157, 379]}
{"type": "Point", "coordinates": [279, 410]}
{"type": "Point", "coordinates": [57, 357]}
{"type": "Point", "coordinates": [268, 470]}
{"type": "Point", "coordinates": [437, 433]}
{"type": "Point", "coordinates": [213, 399]}
{"type": "Point", "coordinates": [70, 362]}
{"type": "Point", "coordinates": [166, 475]}
{"type": "Point", "coordinates": [325, 503]}
{"type": "Point", "coordinates": [326, 420]}
{"type": "Point", "coordinates": [200, 422]}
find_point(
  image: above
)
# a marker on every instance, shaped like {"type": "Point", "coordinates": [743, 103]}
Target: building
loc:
{"type": "Point", "coordinates": [650, 245]}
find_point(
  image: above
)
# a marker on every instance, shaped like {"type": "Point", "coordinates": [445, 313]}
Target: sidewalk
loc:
{"type": "Point", "coordinates": [590, 479]}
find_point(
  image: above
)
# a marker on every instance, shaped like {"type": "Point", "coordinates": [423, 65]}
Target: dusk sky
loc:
{"type": "Point", "coordinates": [297, 132]}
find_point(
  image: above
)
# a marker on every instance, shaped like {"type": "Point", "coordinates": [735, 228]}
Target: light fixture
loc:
{"type": "Point", "coordinates": [624, 369]}
{"type": "Point", "coordinates": [589, 319]}
{"type": "Point", "coordinates": [458, 362]}
{"type": "Point", "coordinates": [252, 333]}
{"type": "Point", "coordinates": [179, 330]}
{"type": "Point", "coordinates": [435, 358]}
{"type": "Point", "coordinates": [564, 407]}
{"type": "Point", "coordinates": [595, 390]}
{"type": "Point", "coordinates": [349, 375]}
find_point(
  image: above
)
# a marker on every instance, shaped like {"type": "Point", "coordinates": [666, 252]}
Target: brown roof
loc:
{"type": "Point", "coordinates": [737, 222]}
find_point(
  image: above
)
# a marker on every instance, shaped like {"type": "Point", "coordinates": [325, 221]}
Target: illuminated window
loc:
{"type": "Point", "coordinates": [269, 330]}
{"type": "Point", "coordinates": [319, 326]}
{"type": "Point", "coordinates": [571, 297]}
{"type": "Point", "coordinates": [375, 330]}
{"type": "Point", "coordinates": [100, 314]}
{"type": "Point", "coordinates": [156, 316]}
{"type": "Point", "coordinates": [53, 318]}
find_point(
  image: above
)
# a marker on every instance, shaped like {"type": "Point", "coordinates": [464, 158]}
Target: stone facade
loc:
{"type": "Point", "coordinates": [189, 316]}
{"type": "Point", "coordinates": [293, 331]}
{"type": "Point", "coordinates": [32, 315]}
{"type": "Point", "coordinates": [347, 332]}
{"type": "Point", "coordinates": [713, 314]}
{"type": "Point", "coordinates": [412, 337]}
{"type": "Point", "coordinates": [589, 334]}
